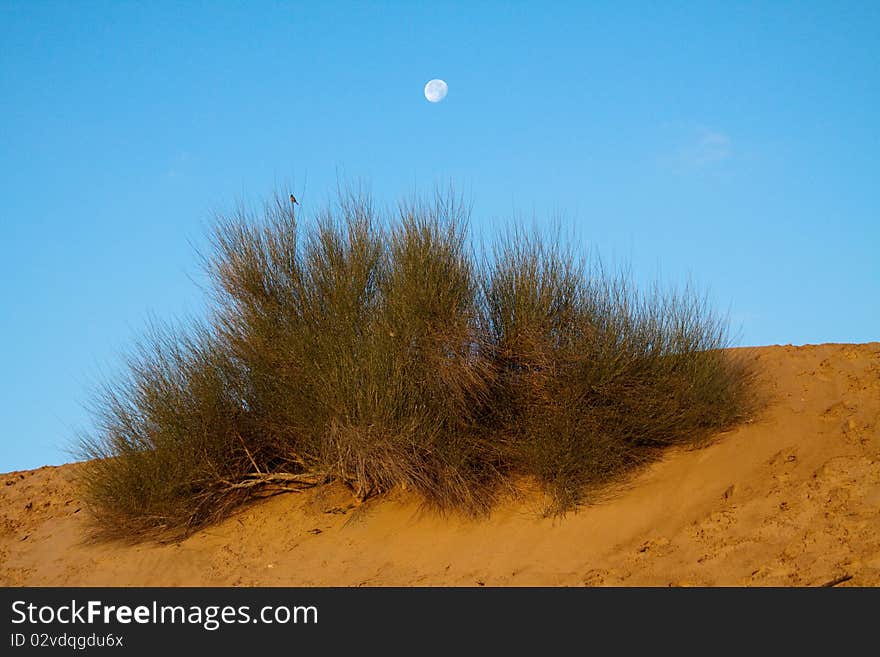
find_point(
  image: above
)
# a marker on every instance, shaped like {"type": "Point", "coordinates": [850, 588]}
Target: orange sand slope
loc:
{"type": "Point", "coordinates": [792, 498]}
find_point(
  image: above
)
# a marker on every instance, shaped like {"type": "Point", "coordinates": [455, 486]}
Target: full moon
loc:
{"type": "Point", "coordinates": [435, 90]}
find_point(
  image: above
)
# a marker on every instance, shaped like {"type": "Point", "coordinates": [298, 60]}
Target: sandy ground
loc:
{"type": "Point", "coordinates": [790, 498]}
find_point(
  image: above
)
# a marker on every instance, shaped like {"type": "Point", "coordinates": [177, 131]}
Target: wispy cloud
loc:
{"type": "Point", "coordinates": [709, 146]}
{"type": "Point", "coordinates": [702, 148]}
{"type": "Point", "coordinates": [693, 148]}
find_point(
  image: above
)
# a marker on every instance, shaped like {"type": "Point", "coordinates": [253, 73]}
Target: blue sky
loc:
{"type": "Point", "coordinates": [735, 144]}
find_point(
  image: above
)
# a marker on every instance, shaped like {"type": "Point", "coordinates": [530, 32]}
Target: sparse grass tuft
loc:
{"type": "Point", "coordinates": [380, 351]}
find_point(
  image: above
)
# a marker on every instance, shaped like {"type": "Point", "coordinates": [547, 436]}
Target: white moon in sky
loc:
{"type": "Point", "coordinates": [435, 90]}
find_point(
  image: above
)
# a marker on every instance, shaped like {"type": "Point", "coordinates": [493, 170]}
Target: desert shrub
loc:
{"type": "Point", "coordinates": [597, 376]}
{"type": "Point", "coordinates": [173, 437]}
{"type": "Point", "coordinates": [377, 349]}
{"type": "Point", "coordinates": [360, 342]}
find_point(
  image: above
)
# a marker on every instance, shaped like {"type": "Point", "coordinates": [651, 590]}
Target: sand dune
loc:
{"type": "Point", "coordinates": [790, 498]}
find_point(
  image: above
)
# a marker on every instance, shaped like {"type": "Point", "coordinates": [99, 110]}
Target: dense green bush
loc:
{"type": "Point", "coordinates": [382, 351]}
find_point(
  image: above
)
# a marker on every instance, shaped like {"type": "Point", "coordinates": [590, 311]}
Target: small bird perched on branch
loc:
{"type": "Point", "coordinates": [293, 200]}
